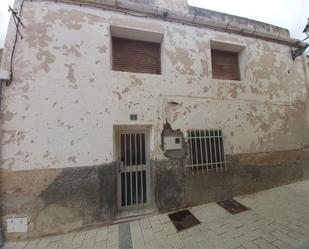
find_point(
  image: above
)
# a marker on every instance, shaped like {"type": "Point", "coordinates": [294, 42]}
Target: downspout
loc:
{"type": "Point", "coordinates": [306, 70]}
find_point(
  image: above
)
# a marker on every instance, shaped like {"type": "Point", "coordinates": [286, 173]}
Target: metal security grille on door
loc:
{"type": "Point", "coordinates": [133, 170]}
{"type": "Point", "coordinates": [206, 150]}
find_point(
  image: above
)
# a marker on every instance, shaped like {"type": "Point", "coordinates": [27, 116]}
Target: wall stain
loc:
{"type": "Point", "coordinates": [182, 59]}
{"type": "Point", "coordinates": [202, 47]}
{"type": "Point", "coordinates": [118, 94]}
{"type": "Point", "coordinates": [8, 136]}
{"type": "Point", "coordinates": [70, 50]}
{"type": "Point", "coordinates": [72, 159]}
{"type": "Point", "coordinates": [8, 164]}
{"type": "Point", "coordinates": [38, 37]}
{"type": "Point", "coordinates": [206, 89]}
{"type": "Point", "coordinates": [71, 76]}
{"type": "Point", "coordinates": [47, 58]}
{"type": "Point", "coordinates": [182, 32]}
{"type": "Point", "coordinates": [7, 116]}
{"type": "Point", "coordinates": [204, 65]}
{"type": "Point", "coordinates": [47, 154]}
{"type": "Point", "coordinates": [102, 50]}
{"type": "Point", "coordinates": [25, 88]}
{"type": "Point", "coordinates": [136, 81]}
{"type": "Point", "coordinates": [254, 90]}
{"type": "Point", "coordinates": [72, 19]}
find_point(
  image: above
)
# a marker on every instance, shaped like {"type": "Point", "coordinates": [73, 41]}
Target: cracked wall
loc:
{"type": "Point", "coordinates": [65, 99]}
{"type": "Point", "coordinates": [58, 200]}
{"type": "Point", "coordinates": [59, 113]}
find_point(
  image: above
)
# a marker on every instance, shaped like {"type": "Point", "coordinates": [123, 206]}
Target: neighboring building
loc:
{"type": "Point", "coordinates": [307, 102]}
{"type": "Point", "coordinates": [119, 108]}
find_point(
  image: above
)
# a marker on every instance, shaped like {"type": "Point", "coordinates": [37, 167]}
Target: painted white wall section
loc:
{"type": "Point", "coordinates": [65, 99]}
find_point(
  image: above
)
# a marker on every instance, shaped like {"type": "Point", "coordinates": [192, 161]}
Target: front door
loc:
{"type": "Point", "coordinates": [133, 169]}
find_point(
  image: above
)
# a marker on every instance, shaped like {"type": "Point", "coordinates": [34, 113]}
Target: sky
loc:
{"type": "Point", "coordinates": [291, 14]}
{"type": "Point", "coordinates": [4, 18]}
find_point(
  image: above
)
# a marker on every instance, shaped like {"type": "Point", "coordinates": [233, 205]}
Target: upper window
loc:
{"type": "Point", "coordinates": [227, 60]}
{"type": "Point", "coordinates": [225, 65]}
{"type": "Point", "coordinates": [136, 56]}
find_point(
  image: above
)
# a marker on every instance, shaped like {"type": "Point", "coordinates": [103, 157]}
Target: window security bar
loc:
{"type": "Point", "coordinates": [206, 151]}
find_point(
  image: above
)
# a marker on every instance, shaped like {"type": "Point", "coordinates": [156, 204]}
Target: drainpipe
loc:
{"type": "Point", "coordinates": [306, 69]}
{"type": "Point", "coordinates": [1, 238]}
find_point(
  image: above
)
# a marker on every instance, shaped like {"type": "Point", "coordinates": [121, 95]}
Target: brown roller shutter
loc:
{"type": "Point", "coordinates": [225, 65]}
{"type": "Point", "coordinates": [136, 56]}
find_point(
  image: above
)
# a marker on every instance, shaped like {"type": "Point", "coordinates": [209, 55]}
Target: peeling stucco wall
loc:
{"type": "Point", "coordinates": [65, 99]}
{"type": "Point", "coordinates": [181, 11]}
{"type": "Point", "coordinates": [58, 115]}
{"type": "Point", "coordinates": [57, 200]}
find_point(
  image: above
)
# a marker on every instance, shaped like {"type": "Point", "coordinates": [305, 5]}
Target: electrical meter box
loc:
{"type": "Point", "coordinates": [172, 143]}
{"type": "Point", "coordinates": [4, 75]}
{"type": "Point", "coordinates": [17, 225]}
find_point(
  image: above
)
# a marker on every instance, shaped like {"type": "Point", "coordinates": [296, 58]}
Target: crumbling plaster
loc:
{"type": "Point", "coordinates": [65, 99]}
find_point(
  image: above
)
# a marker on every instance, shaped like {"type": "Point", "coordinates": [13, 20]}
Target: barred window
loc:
{"type": "Point", "coordinates": [206, 150]}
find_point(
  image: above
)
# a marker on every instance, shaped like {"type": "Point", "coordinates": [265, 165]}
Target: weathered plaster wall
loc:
{"type": "Point", "coordinates": [59, 113]}
{"type": "Point", "coordinates": [247, 173]}
{"type": "Point", "coordinates": [179, 10]}
{"type": "Point", "coordinates": [58, 200]}
{"type": "Point", "coordinates": [65, 99]}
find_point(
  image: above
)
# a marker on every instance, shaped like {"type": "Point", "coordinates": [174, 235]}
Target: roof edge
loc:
{"type": "Point", "coordinates": [180, 11]}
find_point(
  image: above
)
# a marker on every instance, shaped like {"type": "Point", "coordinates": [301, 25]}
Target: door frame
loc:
{"type": "Point", "coordinates": [131, 129]}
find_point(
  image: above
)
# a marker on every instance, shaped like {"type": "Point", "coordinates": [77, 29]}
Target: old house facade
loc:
{"type": "Point", "coordinates": [120, 108]}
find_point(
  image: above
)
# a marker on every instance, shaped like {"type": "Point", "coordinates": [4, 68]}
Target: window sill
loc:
{"type": "Point", "coordinates": [124, 73]}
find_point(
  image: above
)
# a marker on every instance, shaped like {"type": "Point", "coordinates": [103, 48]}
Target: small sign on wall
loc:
{"type": "Point", "coordinates": [17, 224]}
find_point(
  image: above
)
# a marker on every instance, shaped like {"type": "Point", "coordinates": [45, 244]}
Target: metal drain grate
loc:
{"type": "Point", "coordinates": [232, 206]}
{"type": "Point", "coordinates": [183, 219]}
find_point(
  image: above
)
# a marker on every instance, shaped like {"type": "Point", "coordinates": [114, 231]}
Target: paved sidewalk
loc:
{"type": "Point", "coordinates": [279, 218]}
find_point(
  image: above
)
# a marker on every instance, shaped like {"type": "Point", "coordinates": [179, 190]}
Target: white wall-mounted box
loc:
{"type": "Point", "coordinates": [4, 75]}
{"type": "Point", "coordinates": [17, 224]}
{"type": "Point", "coordinates": [172, 143]}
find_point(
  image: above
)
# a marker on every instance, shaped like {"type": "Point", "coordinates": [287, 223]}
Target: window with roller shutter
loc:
{"type": "Point", "coordinates": [136, 56]}
{"type": "Point", "coordinates": [225, 65]}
